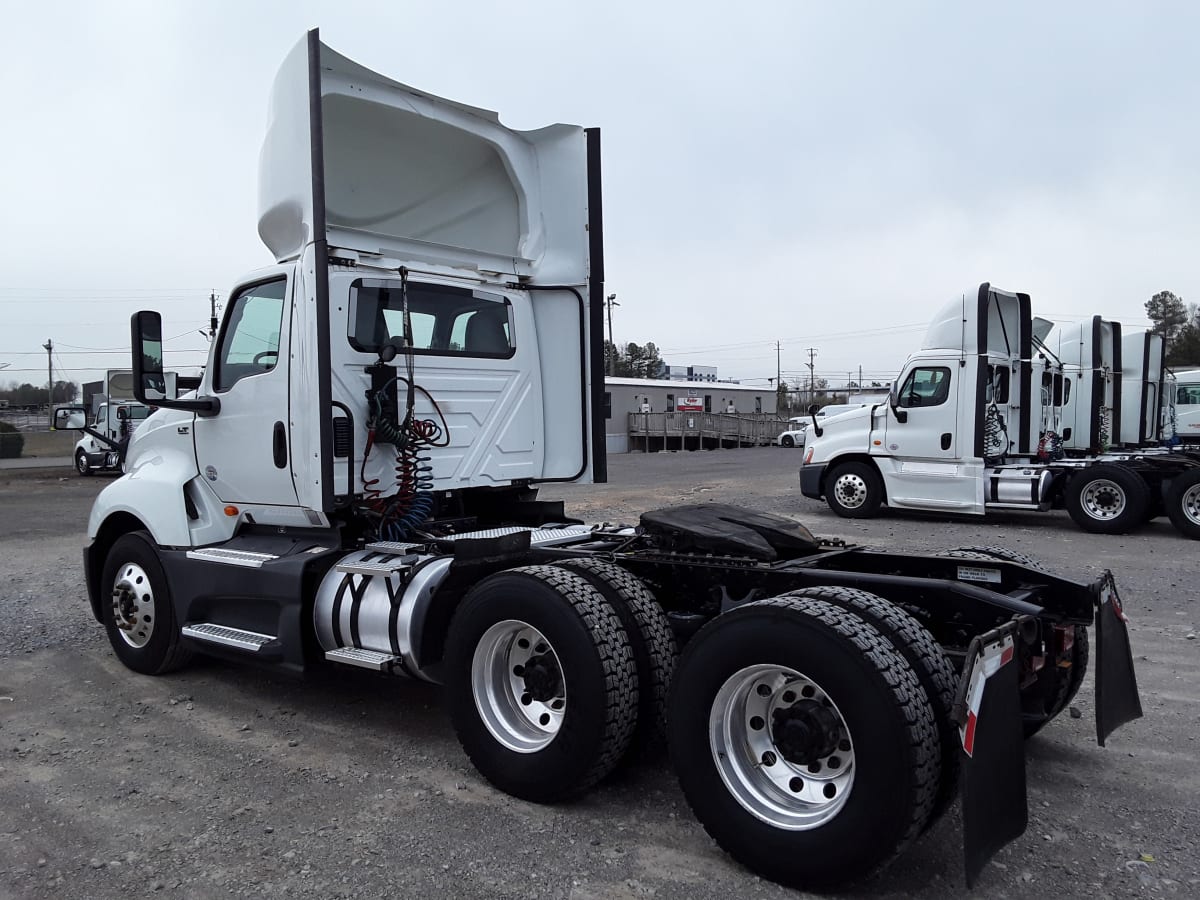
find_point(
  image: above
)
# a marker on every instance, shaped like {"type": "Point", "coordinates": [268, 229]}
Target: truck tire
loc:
{"type": "Point", "coordinates": [1002, 553]}
{"type": "Point", "coordinates": [1183, 503]}
{"type": "Point", "coordinates": [803, 741]}
{"type": "Point", "coordinates": [137, 610]}
{"type": "Point", "coordinates": [1056, 686]}
{"type": "Point", "coordinates": [934, 671]}
{"type": "Point", "coordinates": [854, 490]}
{"type": "Point", "coordinates": [655, 652]}
{"type": "Point", "coordinates": [81, 463]}
{"type": "Point", "coordinates": [787, 441]}
{"type": "Point", "coordinates": [1107, 499]}
{"type": "Point", "coordinates": [541, 682]}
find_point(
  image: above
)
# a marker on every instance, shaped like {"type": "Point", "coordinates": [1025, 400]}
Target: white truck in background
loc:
{"type": "Point", "coordinates": [115, 416]}
{"type": "Point", "coordinates": [1184, 414]}
{"type": "Point", "coordinates": [965, 430]}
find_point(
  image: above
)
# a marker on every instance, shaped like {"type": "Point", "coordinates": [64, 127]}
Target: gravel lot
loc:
{"type": "Point", "coordinates": [219, 780]}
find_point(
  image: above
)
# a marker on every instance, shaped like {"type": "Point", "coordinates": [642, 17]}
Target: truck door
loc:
{"type": "Point", "coordinates": [244, 450]}
{"type": "Point", "coordinates": [923, 449]}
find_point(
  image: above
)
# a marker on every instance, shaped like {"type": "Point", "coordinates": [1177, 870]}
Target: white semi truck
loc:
{"type": "Point", "coordinates": [979, 422]}
{"type": "Point", "coordinates": [115, 416]}
{"type": "Point", "coordinates": [355, 481]}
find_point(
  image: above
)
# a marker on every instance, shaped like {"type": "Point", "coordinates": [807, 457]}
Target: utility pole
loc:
{"type": "Point", "coordinates": [212, 315]}
{"type": "Point", "coordinates": [779, 382]}
{"type": "Point", "coordinates": [49, 348]}
{"type": "Point", "coordinates": [609, 302]}
{"type": "Point", "coordinates": [812, 381]}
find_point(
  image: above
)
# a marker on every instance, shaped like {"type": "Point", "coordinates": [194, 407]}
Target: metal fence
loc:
{"type": "Point", "coordinates": [696, 430]}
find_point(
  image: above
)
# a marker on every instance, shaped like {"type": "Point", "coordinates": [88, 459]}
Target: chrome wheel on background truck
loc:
{"type": "Point", "coordinates": [854, 490]}
{"type": "Point", "coordinates": [1183, 502]}
{"type": "Point", "coordinates": [1107, 499]}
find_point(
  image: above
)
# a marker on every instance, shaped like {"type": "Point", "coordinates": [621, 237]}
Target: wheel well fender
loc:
{"type": "Point", "coordinates": [113, 527]}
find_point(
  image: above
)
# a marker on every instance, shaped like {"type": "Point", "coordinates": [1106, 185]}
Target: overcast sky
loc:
{"type": "Point", "coordinates": [824, 175]}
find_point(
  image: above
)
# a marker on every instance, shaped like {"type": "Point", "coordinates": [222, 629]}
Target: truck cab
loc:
{"type": "Point", "coordinates": [112, 427]}
{"type": "Point", "coordinates": [427, 333]}
{"type": "Point", "coordinates": [959, 405]}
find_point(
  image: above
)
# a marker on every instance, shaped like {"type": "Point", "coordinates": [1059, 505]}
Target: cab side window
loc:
{"type": "Point", "coordinates": [250, 338]}
{"type": "Point", "coordinates": [925, 386]}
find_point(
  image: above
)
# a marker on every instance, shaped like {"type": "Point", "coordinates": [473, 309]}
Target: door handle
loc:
{"type": "Point", "coordinates": [279, 446]}
{"type": "Point", "coordinates": [947, 437]}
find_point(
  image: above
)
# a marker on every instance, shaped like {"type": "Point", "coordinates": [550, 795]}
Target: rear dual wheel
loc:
{"type": "Point", "coordinates": [541, 682]}
{"type": "Point", "coordinates": [1107, 499]}
{"type": "Point", "coordinates": [803, 740]}
{"type": "Point", "coordinates": [1183, 503]}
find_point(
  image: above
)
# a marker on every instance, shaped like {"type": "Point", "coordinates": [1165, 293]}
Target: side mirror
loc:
{"type": "Point", "coordinates": [813, 409]}
{"type": "Point", "coordinates": [894, 403]}
{"type": "Point", "coordinates": [122, 413]}
{"type": "Point", "coordinates": [149, 382]}
{"type": "Point", "coordinates": [70, 418]}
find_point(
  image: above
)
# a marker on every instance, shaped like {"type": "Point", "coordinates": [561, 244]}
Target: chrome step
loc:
{"type": "Point", "coordinates": [538, 537]}
{"type": "Point", "coordinates": [374, 567]}
{"type": "Point", "coordinates": [364, 659]}
{"type": "Point", "coordinates": [245, 558]}
{"type": "Point", "coordinates": [227, 637]}
{"type": "Point", "coordinates": [398, 547]}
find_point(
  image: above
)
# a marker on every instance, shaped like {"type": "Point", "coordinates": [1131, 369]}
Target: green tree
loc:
{"type": "Point", "coordinates": [633, 360]}
{"type": "Point", "coordinates": [1168, 313]}
{"type": "Point", "coordinates": [781, 397]}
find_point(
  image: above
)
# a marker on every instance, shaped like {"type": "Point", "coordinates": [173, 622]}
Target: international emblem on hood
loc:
{"type": "Point", "coordinates": [210, 473]}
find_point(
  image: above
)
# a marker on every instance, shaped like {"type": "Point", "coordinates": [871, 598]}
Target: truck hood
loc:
{"type": "Point", "coordinates": [382, 169]}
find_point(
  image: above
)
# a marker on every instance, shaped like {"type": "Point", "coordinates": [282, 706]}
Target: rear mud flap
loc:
{"type": "Point", "coordinates": [1117, 700]}
{"type": "Point", "coordinates": [992, 779]}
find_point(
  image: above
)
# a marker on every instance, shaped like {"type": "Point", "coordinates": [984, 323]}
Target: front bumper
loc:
{"type": "Point", "coordinates": [811, 475]}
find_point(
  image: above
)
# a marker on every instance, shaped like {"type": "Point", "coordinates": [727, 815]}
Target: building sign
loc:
{"type": "Point", "coordinates": [690, 404]}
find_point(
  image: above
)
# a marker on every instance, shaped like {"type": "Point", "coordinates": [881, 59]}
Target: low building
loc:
{"type": "Point", "coordinates": [623, 396]}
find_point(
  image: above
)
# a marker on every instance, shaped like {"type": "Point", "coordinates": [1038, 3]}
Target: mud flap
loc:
{"type": "Point", "coordinates": [1117, 700]}
{"type": "Point", "coordinates": [992, 779]}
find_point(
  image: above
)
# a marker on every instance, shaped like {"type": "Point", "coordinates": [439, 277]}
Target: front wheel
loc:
{"type": "Point", "coordinates": [1107, 499]}
{"type": "Point", "coordinates": [81, 463]}
{"type": "Point", "coordinates": [541, 682]}
{"type": "Point", "coordinates": [803, 741]}
{"type": "Point", "coordinates": [137, 610]}
{"type": "Point", "coordinates": [854, 490]}
{"type": "Point", "coordinates": [787, 441]}
{"type": "Point", "coordinates": [1183, 503]}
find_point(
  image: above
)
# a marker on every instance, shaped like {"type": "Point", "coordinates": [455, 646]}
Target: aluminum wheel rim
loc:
{"type": "Point", "coordinates": [851, 490]}
{"type": "Point", "coordinates": [790, 795]}
{"type": "Point", "coordinates": [1103, 499]}
{"type": "Point", "coordinates": [133, 605]}
{"type": "Point", "coordinates": [523, 716]}
{"type": "Point", "coordinates": [81, 463]}
{"type": "Point", "coordinates": [1190, 504]}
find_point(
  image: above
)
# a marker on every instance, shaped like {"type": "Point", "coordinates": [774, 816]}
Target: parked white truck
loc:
{"type": "Point", "coordinates": [115, 416]}
{"type": "Point", "coordinates": [355, 484]}
{"type": "Point", "coordinates": [1184, 419]}
{"type": "Point", "coordinates": [977, 423]}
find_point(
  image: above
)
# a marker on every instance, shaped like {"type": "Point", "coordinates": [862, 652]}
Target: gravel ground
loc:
{"type": "Point", "coordinates": [220, 780]}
